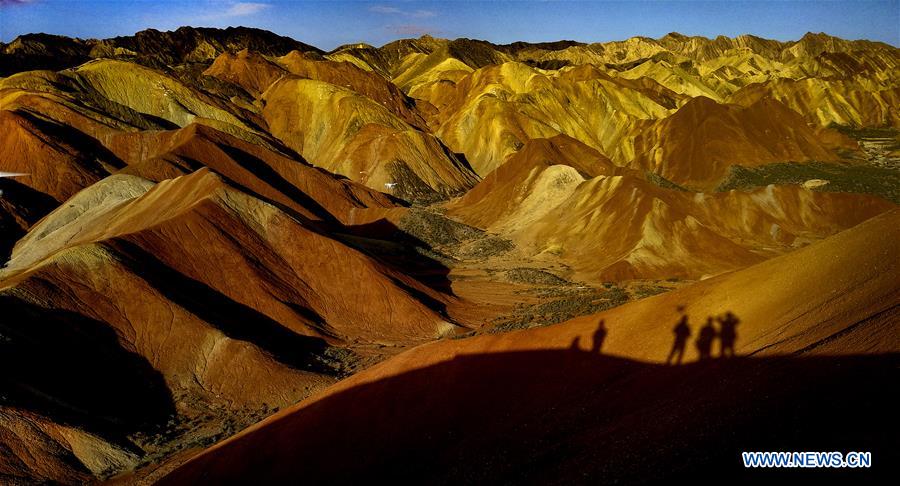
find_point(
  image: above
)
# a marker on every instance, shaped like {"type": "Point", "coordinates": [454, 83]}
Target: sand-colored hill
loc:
{"type": "Point", "coordinates": [347, 75]}
{"type": "Point", "coordinates": [51, 132]}
{"type": "Point", "coordinates": [720, 76]}
{"type": "Point", "coordinates": [151, 92]}
{"type": "Point", "coordinates": [694, 146]}
{"type": "Point", "coordinates": [104, 98]}
{"type": "Point", "coordinates": [694, 66]}
{"type": "Point", "coordinates": [828, 101]}
{"type": "Point", "coordinates": [20, 207]}
{"type": "Point", "coordinates": [706, 52]}
{"type": "Point", "coordinates": [410, 63]}
{"type": "Point", "coordinates": [445, 62]}
{"type": "Point", "coordinates": [41, 51]}
{"type": "Point", "coordinates": [489, 114]}
{"type": "Point", "coordinates": [608, 223]}
{"type": "Point", "coordinates": [686, 64]}
{"type": "Point", "coordinates": [363, 56]}
{"type": "Point", "coordinates": [255, 73]}
{"type": "Point", "coordinates": [681, 76]}
{"type": "Point", "coordinates": [189, 44]}
{"type": "Point", "coordinates": [813, 44]}
{"type": "Point", "coordinates": [354, 136]}
{"type": "Point", "coordinates": [697, 144]}
{"type": "Point", "coordinates": [94, 340]}
{"type": "Point", "coordinates": [89, 140]}
{"type": "Point", "coordinates": [521, 103]}
{"type": "Point", "coordinates": [60, 97]}
{"type": "Point", "coordinates": [531, 183]}
{"type": "Point", "coordinates": [576, 413]}
{"type": "Point", "coordinates": [715, 78]}
{"type": "Point", "coordinates": [150, 47]}
{"type": "Point", "coordinates": [249, 70]}
{"type": "Point", "coordinates": [394, 52]}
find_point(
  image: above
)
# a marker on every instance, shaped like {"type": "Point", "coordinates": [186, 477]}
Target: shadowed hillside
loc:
{"type": "Point", "coordinates": [814, 362]}
{"type": "Point", "coordinates": [572, 416]}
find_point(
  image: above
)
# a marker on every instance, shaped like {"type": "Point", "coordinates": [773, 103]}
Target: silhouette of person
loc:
{"type": "Point", "coordinates": [705, 339]}
{"type": "Point", "coordinates": [682, 332]}
{"type": "Point", "coordinates": [576, 344]}
{"type": "Point", "coordinates": [599, 337]}
{"type": "Point", "coordinates": [728, 334]}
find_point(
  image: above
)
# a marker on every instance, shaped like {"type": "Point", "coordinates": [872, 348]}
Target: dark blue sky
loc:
{"type": "Point", "coordinates": [328, 24]}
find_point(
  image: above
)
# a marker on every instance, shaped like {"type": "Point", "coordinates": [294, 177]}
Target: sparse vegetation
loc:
{"type": "Point", "coordinates": [644, 291]}
{"type": "Point", "coordinates": [663, 182]}
{"type": "Point", "coordinates": [883, 182]}
{"type": "Point", "coordinates": [487, 246]}
{"type": "Point", "coordinates": [436, 230]}
{"type": "Point", "coordinates": [344, 362]}
{"type": "Point", "coordinates": [577, 301]}
{"type": "Point", "coordinates": [534, 276]}
{"type": "Point", "coordinates": [866, 132]}
{"type": "Point", "coordinates": [440, 233]}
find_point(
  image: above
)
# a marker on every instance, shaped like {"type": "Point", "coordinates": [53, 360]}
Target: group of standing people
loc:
{"type": "Point", "coordinates": [726, 334]}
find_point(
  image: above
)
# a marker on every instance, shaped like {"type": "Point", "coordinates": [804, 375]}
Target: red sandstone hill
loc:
{"type": "Point", "coordinates": [192, 293]}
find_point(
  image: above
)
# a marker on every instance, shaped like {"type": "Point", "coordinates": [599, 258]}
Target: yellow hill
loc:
{"type": "Point", "coordinates": [608, 223]}
{"type": "Point", "coordinates": [349, 134]}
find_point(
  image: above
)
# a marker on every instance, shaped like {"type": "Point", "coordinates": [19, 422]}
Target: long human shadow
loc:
{"type": "Point", "coordinates": [573, 416]}
{"type": "Point", "coordinates": [721, 329]}
{"type": "Point", "coordinates": [69, 367]}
